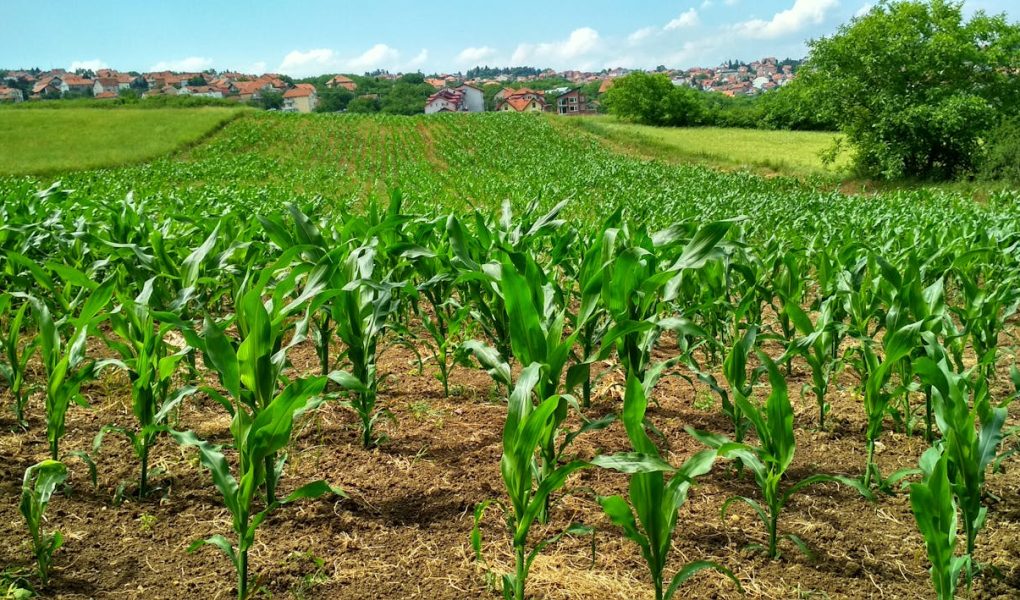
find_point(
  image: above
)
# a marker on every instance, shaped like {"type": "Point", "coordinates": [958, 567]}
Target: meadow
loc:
{"type": "Point", "coordinates": [779, 152]}
{"type": "Point", "coordinates": [463, 356]}
{"type": "Point", "coordinates": [50, 141]}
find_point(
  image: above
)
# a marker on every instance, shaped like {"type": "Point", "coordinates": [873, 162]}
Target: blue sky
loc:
{"type": "Point", "coordinates": [318, 36]}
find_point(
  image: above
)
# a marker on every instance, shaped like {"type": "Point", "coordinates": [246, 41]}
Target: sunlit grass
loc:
{"type": "Point", "coordinates": [783, 152]}
{"type": "Point", "coordinates": [47, 141]}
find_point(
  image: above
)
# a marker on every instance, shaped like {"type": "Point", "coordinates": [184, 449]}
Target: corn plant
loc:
{"type": "Point", "coordinates": [250, 367]}
{"type": "Point", "coordinates": [526, 425]}
{"type": "Point", "coordinates": [656, 501]}
{"type": "Point", "coordinates": [257, 438]}
{"type": "Point", "coordinates": [815, 345]}
{"type": "Point", "coordinates": [740, 384]}
{"type": "Point", "coordinates": [537, 337]}
{"type": "Point", "coordinates": [637, 283]}
{"type": "Point", "coordinates": [151, 365]}
{"type": "Point", "coordinates": [16, 355]}
{"type": "Point", "coordinates": [897, 345]}
{"type": "Point", "coordinates": [363, 304]}
{"type": "Point", "coordinates": [986, 307]}
{"type": "Point", "coordinates": [65, 363]}
{"type": "Point", "coordinates": [40, 480]}
{"type": "Point", "coordinates": [931, 501]}
{"type": "Point", "coordinates": [771, 458]}
{"type": "Point", "coordinates": [971, 432]}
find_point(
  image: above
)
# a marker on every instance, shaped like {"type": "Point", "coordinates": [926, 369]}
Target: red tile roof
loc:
{"type": "Point", "coordinates": [301, 90]}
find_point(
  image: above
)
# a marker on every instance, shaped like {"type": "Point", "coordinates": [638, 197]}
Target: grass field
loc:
{"type": "Point", "coordinates": [48, 141]}
{"type": "Point", "coordinates": [784, 152]}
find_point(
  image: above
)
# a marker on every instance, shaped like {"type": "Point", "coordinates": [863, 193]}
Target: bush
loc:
{"type": "Point", "coordinates": [1001, 160]}
{"type": "Point", "coordinates": [654, 100]}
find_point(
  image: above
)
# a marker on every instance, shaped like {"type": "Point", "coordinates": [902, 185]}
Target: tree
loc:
{"type": "Point", "coordinates": [914, 87]}
{"type": "Point", "coordinates": [268, 100]}
{"type": "Point", "coordinates": [654, 100]}
{"type": "Point", "coordinates": [363, 104]}
{"type": "Point", "coordinates": [333, 100]}
{"type": "Point", "coordinates": [197, 80]}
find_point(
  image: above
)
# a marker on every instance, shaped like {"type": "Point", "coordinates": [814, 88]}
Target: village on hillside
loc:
{"type": "Point", "coordinates": [452, 92]}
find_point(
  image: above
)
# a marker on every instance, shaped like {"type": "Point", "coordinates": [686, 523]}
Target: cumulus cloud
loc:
{"type": "Point", "coordinates": [92, 65]}
{"type": "Point", "coordinates": [642, 34]}
{"type": "Point", "coordinates": [802, 14]}
{"type": "Point", "coordinates": [303, 63]}
{"type": "Point", "coordinates": [472, 56]}
{"type": "Point", "coordinates": [191, 63]}
{"type": "Point", "coordinates": [574, 52]}
{"type": "Point", "coordinates": [686, 20]}
{"type": "Point", "coordinates": [379, 56]}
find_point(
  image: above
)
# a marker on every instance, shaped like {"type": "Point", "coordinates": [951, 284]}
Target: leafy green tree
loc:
{"type": "Point", "coordinates": [364, 104]}
{"type": "Point", "coordinates": [268, 100]}
{"type": "Point", "coordinates": [914, 86]}
{"type": "Point", "coordinates": [654, 100]}
{"type": "Point", "coordinates": [333, 100]}
{"type": "Point", "coordinates": [197, 80]}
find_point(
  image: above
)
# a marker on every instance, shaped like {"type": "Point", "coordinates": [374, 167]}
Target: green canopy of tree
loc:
{"type": "Point", "coordinates": [915, 86]}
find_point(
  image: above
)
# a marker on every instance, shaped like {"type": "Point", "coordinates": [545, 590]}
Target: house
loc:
{"type": "Point", "coordinates": [522, 100]}
{"type": "Point", "coordinates": [106, 95]}
{"type": "Point", "coordinates": [342, 82]}
{"type": "Point", "coordinates": [474, 98]}
{"type": "Point", "coordinates": [250, 90]}
{"type": "Point", "coordinates": [446, 100]}
{"type": "Point", "coordinates": [574, 103]}
{"type": "Point", "coordinates": [48, 86]}
{"type": "Point", "coordinates": [201, 90]}
{"type": "Point", "coordinates": [436, 83]}
{"type": "Point", "coordinates": [11, 94]}
{"type": "Point", "coordinates": [105, 84]}
{"type": "Point", "coordinates": [301, 98]}
{"type": "Point", "coordinates": [124, 80]}
{"type": "Point", "coordinates": [73, 83]}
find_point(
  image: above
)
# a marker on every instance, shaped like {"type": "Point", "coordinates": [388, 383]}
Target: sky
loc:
{"type": "Point", "coordinates": [312, 37]}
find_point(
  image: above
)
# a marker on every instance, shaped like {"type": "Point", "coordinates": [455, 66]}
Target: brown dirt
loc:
{"type": "Point", "coordinates": [404, 531]}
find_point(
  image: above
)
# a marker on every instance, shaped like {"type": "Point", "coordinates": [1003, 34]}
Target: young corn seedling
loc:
{"type": "Point", "coordinates": [971, 432]}
{"type": "Point", "coordinates": [815, 345]}
{"type": "Point", "coordinates": [931, 501]}
{"type": "Point", "coordinates": [636, 287]}
{"type": "Point", "coordinates": [526, 424]}
{"type": "Point", "coordinates": [40, 481]}
{"type": "Point", "coordinates": [537, 337]}
{"type": "Point", "coordinates": [257, 438]}
{"type": "Point", "coordinates": [150, 363]}
{"type": "Point", "coordinates": [65, 362]}
{"type": "Point", "coordinates": [363, 305]}
{"type": "Point", "coordinates": [250, 368]}
{"type": "Point", "coordinates": [740, 384]}
{"type": "Point", "coordinates": [655, 501]}
{"type": "Point", "coordinates": [771, 458]}
{"type": "Point", "coordinates": [16, 355]}
{"type": "Point", "coordinates": [897, 345]}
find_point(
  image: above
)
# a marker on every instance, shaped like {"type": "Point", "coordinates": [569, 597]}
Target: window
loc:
{"type": "Point", "coordinates": [572, 100]}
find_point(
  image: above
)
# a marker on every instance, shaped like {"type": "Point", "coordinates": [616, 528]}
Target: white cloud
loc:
{"type": "Point", "coordinates": [379, 56]}
{"type": "Point", "coordinates": [419, 60]}
{"type": "Point", "coordinates": [686, 20]}
{"type": "Point", "coordinates": [258, 67]}
{"type": "Point", "coordinates": [706, 4]}
{"type": "Point", "coordinates": [574, 52]}
{"type": "Point", "coordinates": [802, 14]}
{"type": "Point", "coordinates": [92, 65]}
{"type": "Point", "coordinates": [864, 9]}
{"type": "Point", "coordinates": [472, 56]}
{"type": "Point", "coordinates": [311, 62]}
{"type": "Point", "coordinates": [191, 63]}
{"type": "Point", "coordinates": [642, 34]}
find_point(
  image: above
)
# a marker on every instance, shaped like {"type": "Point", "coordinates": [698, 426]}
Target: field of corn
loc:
{"type": "Point", "coordinates": [480, 356]}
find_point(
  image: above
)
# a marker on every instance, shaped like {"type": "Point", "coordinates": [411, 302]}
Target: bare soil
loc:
{"type": "Point", "coordinates": [404, 531]}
